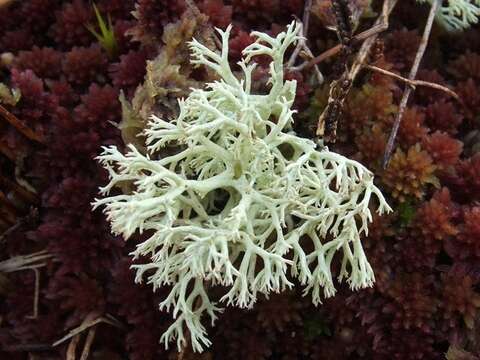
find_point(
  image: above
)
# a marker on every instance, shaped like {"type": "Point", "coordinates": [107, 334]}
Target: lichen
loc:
{"type": "Point", "coordinates": [456, 15]}
{"type": "Point", "coordinates": [243, 202]}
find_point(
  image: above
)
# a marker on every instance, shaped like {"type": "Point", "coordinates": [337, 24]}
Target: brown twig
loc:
{"type": "Point", "coordinates": [36, 295]}
{"type": "Point", "coordinates": [27, 195]}
{"type": "Point", "coordinates": [305, 24]}
{"type": "Point", "coordinates": [339, 88]}
{"type": "Point", "coordinates": [5, 150]}
{"type": "Point", "coordinates": [7, 209]}
{"type": "Point", "coordinates": [5, 3]}
{"type": "Point", "coordinates": [88, 323]}
{"type": "Point", "coordinates": [30, 217]}
{"type": "Point", "coordinates": [72, 348]}
{"type": "Point", "coordinates": [415, 83]}
{"type": "Point", "coordinates": [302, 46]}
{"type": "Point", "coordinates": [344, 83]}
{"type": "Point", "coordinates": [25, 130]}
{"type": "Point", "coordinates": [88, 343]}
{"type": "Point", "coordinates": [411, 76]}
{"type": "Point", "coordinates": [380, 25]}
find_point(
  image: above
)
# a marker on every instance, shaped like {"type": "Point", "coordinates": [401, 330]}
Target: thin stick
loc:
{"type": "Point", "coordinates": [88, 343]}
{"type": "Point", "coordinates": [36, 295]}
{"type": "Point", "coordinates": [87, 324]}
{"type": "Point", "coordinates": [348, 77]}
{"type": "Point", "coordinates": [5, 150]}
{"type": "Point", "coordinates": [20, 190]}
{"type": "Point", "coordinates": [25, 130]}
{"type": "Point", "coordinates": [5, 3]}
{"type": "Point", "coordinates": [72, 347]}
{"type": "Point", "coordinates": [413, 73]}
{"type": "Point", "coordinates": [415, 83]}
{"type": "Point", "coordinates": [301, 43]}
{"type": "Point", "coordinates": [380, 25]}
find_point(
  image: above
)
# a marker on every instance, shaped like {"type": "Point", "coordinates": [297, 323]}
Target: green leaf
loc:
{"type": "Point", "coordinates": [106, 36]}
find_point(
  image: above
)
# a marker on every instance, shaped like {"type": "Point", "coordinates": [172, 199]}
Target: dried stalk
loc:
{"type": "Point", "coordinates": [408, 89]}
{"type": "Point", "coordinates": [88, 323]}
{"type": "Point", "coordinates": [72, 348]}
{"type": "Point", "coordinates": [25, 262]}
{"type": "Point", "coordinates": [24, 193]}
{"type": "Point", "coordinates": [17, 124]}
{"type": "Point", "coordinates": [4, 3]}
{"type": "Point", "coordinates": [88, 343]}
{"type": "Point", "coordinates": [414, 83]}
{"type": "Point", "coordinates": [302, 43]}
{"type": "Point", "coordinates": [339, 88]}
{"type": "Point", "coordinates": [30, 217]}
{"type": "Point", "coordinates": [36, 296]}
{"type": "Point", "coordinates": [380, 26]}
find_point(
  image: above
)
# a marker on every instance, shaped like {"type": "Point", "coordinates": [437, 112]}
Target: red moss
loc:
{"type": "Point", "coordinates": [459, 299]}
{"type": "Point", "coordinates": [470, 97]}
{"type": "Point", "coordinates": [408, 173]}
{"type": "Point", "coordinates": [267, 10]}
{"type": "Point", "coordinates": [467, 244]}
{"type": "Point", "coordinates": [153, 15]}
{"type": "Point", "coordinates": [64, 92]}
{"type": "Point", "coordinates": [412, 305]}
{"type": "Point", "coordinates": [443, 115]}
{"type": "Point", "coordinates": [35, 104]}
{"type": "Point", "coordinates": [37, 14]}
{"type": "Point", "coordinates": [411, 128]}
{"type": "Point", "coordinates": [16, 40]}
{"type": "Point", "coordinates": [433, 219]}
{"type": "Point", "coordinates": [425, 94]}
{"type": "Point", "coordinates": [79, 295]}
{"type": "Point", "coordinates": [69, 29]}
{"type": "Point", "coordinates": [44, 62]}
{"type": "Point", "coordinates": [466, 66]}
{"type": "Point", "coordinates": [130, 71]}
{"type": "Point", "coordinates": [401, 47]}
{"type": "Point", "coordinates": [278, 312]}
{"type": "Point", "coordinates": [444, 150]}
{"type": "Point", "coordinates": [116, 8]}
{"type": "Point", "coordinates": [367, 104]}
{"type": "Point", "coordinates": [99, 105]}
{"type": "Point", "coordinates": [467, 180]}
{"type": "Point", "coordinates": [82, 65]}
{"type": "Point", "coordinates": [219, 14]}
{"type": "Point", "coordinates": [371, 144]}
{"type": "Point", "coordinates": [237, 43]}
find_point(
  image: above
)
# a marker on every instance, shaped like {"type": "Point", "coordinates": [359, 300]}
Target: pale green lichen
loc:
{"type": "Point", "coordinates": [456, 15]}
{"type": "Point", "coordinates": [244, 202]}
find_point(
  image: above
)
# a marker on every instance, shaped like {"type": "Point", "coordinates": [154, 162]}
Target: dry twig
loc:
{"type": "Point", "coordinates": [88, 343]}
{"type": "Point", "coordinates": [25, 130]}
{"type": "Point", "coordinates": [340, 88]}
{"type": "Point", "coordinates": [4, 3]}
{"type": "Point", "coordinates": [414, 83]}
{"type": "Point", "coordinates": [380, 25]}
{"type": "Point", "coordinates": [88, 323]}
{"type": "Point", "coordinates": [302, 46]}
{"type": "Point", "coordinates": [408, 89]}
{"type": "Point", "coordinates": [28, 262]}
